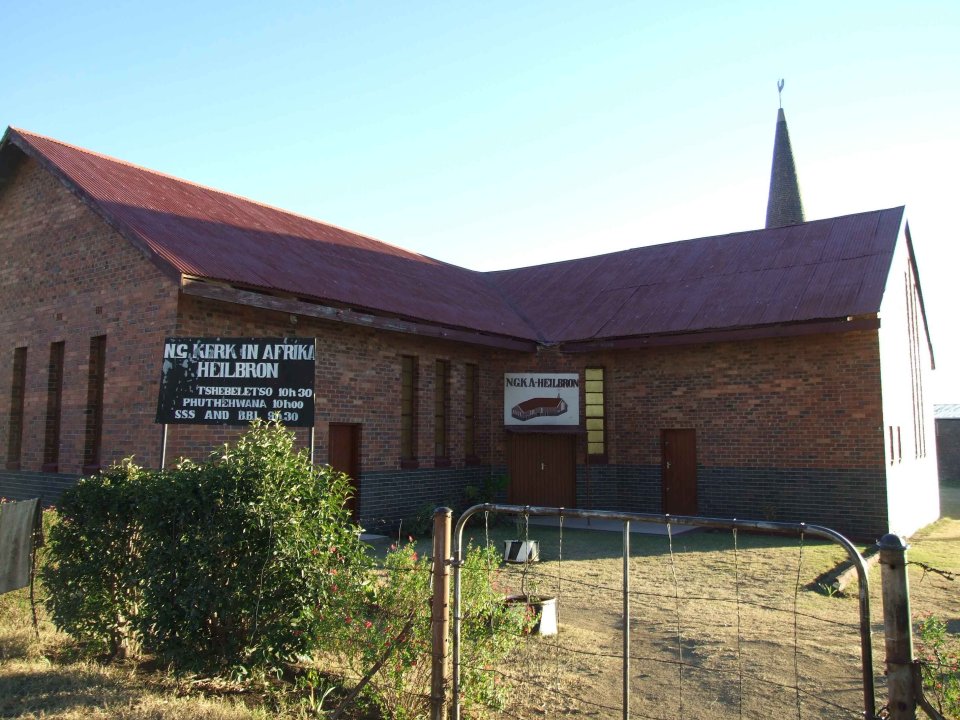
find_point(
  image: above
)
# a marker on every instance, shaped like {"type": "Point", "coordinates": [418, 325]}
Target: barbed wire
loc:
{"type": "Point", "coordinates": [682, 604]}
{"type": "Point", "coordinates": [936, 571]}
{"type": "Point", "coordinates": [550, 680]}
{"type": "Point", "coordinates": [707, 598]}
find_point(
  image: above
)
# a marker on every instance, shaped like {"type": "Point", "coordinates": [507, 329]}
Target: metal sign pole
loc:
{"type": "Point", "coordinates": [163, 448]}
{"type": "Point", "coordinates": [312, 442]}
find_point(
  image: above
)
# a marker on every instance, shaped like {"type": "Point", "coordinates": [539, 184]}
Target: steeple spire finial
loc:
{"type": "Point", "coordinates": [784, 206]}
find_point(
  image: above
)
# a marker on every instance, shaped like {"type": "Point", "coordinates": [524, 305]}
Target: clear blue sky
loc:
{"type": "Point", "coordinates": [503, 134]}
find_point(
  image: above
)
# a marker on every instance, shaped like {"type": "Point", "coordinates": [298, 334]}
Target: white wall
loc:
{"type": "Point", "coordinates": [911, 460]}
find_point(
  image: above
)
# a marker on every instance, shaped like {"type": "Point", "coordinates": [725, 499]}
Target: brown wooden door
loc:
{"type": "Point", "coordinates": [543, 469]}
{"type": "Point", "coordinates": [678, 469]}
{"type": "Point", "coordinates": [345, 456]}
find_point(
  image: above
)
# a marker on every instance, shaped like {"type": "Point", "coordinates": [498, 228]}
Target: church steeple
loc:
{"type": "Point", "coordinates": [783, 205]}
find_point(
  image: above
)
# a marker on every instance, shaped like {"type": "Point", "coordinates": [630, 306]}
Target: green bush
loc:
{"type": "Point", "coordinates": [939, 655]}
{"type": "Point", "coordinates": [94, 560]}
{"type": "Point", "coordinates": [242, 561]}
{"type": "Point", "coordinates": [490, 631]}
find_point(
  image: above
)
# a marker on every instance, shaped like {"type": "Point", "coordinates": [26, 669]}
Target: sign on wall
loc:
{"type": "Point", "coordinates": [541, 399]}
{"type": "Point", "coordinates": [231, 381]}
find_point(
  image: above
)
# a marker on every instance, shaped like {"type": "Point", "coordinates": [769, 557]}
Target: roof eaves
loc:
{"type": "Point", "coordinates": [211, 290]}
{"type": "Point", "coordinates": [916, 279]}
{"type": "Point", "coordinates": [732, 334]}
{"type": "Point", "coordinates": [23, 143]}
{"type": "Point", "coordinates": [10, 156]}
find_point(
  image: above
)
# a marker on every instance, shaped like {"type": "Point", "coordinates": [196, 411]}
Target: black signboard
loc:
{"type": "Point", "coordinates": [231, 381]}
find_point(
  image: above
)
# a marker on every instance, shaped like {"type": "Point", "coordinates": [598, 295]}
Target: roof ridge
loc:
{"type": "Point", "coordinates": [722, 237]}
{"type": "Point", "coordinates": [27, 134]}
{"type": "Point", "coordinates": [190, 229]}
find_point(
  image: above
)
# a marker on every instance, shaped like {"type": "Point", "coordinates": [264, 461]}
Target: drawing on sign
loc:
{"type": "Point", "coordinates": [539, 407]}
{"type": "Point", "coordinates": [232, 381]}
{"type": "Point", "coordinates": [541, 399]}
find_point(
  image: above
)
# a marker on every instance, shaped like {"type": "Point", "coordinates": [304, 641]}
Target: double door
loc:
{"type": "Point", "coordinates": [543, 469]}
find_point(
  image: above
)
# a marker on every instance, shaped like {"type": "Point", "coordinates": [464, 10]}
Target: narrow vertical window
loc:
{"type": "Point", "coordinates": [594, 412]}
{"type": "Point", "coordinates": [94, 429]}
{"type": "Point", "coordinates": [441, 403]}
{"type": "Point", "coordinates": [408, 411]}
{"type": "Point", "coordinates": [17, 393]}
{"type": "Point", "coordinates": [470, 402]}
{"type": "Point", "coordinates": [51, 438]}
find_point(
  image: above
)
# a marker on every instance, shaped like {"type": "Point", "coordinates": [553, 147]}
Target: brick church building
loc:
{"type": "Point", "coordinates": [772, 374]}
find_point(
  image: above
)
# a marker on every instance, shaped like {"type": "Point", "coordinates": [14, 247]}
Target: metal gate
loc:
{"type": "Point", "coordinates": [802, 529]}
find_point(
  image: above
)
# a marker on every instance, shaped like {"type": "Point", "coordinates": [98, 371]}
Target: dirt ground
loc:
{"type": "Point", "coordinates": [720, 626]}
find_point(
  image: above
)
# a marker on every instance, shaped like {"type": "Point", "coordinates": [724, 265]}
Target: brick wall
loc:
{"type": "Point", "coordinates": [26, 485]}
{"type": "Point", "coordinates": [948, 450]}
{"type": "Point", "coordinates": [65, 276]}
{"type": "Point", "coordinates": [803, 402]}
{"type": "Point", "coordinates": [836, 498]}
{"type": "Point", "coordinates": [387, 497]}
{"type": "Point", "coordinates": [786, 427]}
{"type": "Point", "coordinates": [358, 381]}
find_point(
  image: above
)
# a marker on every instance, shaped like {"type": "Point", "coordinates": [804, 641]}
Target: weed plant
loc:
{"type": "Point", "coordinates": [939, 654]}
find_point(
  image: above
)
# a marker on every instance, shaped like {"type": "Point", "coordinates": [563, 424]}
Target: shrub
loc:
{"type": "Point", "coordinates": [489, 632]}
{"type": "Point", "coordinates": [241, 561]}
{"type": "Point", "coordinates": [248, 554]}
{"type": "Point", "coordinates": [489, 490]}
{"type": "Point", "coordinates": [94, 560]}
{"type": "Point", "coordinates": [939, 655]}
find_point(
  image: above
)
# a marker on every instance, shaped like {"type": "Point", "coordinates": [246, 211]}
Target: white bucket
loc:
{"type": "Point", "coordinates": [521, 551]}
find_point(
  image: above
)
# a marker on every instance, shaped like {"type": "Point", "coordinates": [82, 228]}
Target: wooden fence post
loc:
{"type": "Point", "coordinates": [440, 616]}
{"type": "Point", "coordinates": [897, 630]}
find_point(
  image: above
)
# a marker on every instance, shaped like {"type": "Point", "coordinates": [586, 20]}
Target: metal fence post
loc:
{"type": "Point", "coordinates": [626, 619]}
{"type": "Point", "coordinates": [440, 616]}
{"type": "Point", "coordinates": [897, 629]}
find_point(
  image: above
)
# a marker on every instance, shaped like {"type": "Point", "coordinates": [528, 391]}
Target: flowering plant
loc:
{"type": "Point", "coordinates": [939, 654]}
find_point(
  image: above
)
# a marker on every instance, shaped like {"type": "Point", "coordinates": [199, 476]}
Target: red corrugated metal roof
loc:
{"type": "Point", "coordinates": [824, 269]}
{"type": "Point", "coordinates": [818, 270]}
{"type": "Point", "coordinates": [210, 234]}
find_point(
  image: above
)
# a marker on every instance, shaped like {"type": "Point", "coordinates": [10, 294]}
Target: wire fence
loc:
{"type": "Point", "coordinates": [722, 621]}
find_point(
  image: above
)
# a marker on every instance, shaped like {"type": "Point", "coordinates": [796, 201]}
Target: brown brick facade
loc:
{"type": "Point", "coordinates": [357, 381]}
{"type": "Point", "coordinates": [65, 276]}
{"type": "Point", "coordinates": [757, 403]}
{"type": "Point", "coordinates": [788, 428]}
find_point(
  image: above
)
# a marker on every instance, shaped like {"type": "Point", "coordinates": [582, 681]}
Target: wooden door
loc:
{"type": "Point", "coordinates": [543, 469]}
{"type": "Point", "coordinates": [678, 469]}
{"type": "Point", "coordinates": [344, 456]}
